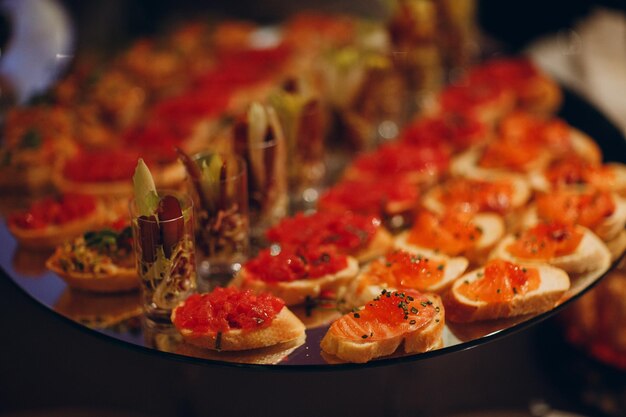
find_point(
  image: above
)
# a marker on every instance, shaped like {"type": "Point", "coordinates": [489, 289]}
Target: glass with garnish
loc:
{"type": "Point", "coordinates": [219, 184]}
{"type": "Point", "coordinates": [163, 232]}
{"type": "Point", "coordinates": [259, 140]}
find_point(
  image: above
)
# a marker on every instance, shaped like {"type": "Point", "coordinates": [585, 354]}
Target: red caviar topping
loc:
{"type": "Point", "coordinates": [500, 282]}
{"type": "Point", "coordinates": [545, 241]}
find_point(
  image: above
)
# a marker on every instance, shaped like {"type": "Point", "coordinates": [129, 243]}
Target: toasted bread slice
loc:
{"type": "Point", "coordinates": [112, 279]}
{"type": "Point", "coordinates": [52, 236]}
{"type": "Point", "coordinates": [467, 164]}
{"type": "Point", "coordinates": [521, 193]}
{"type": "Point", "coordinates": [366, 285]}
{"type": "Point", "coordinates": [296, 292]}
{"type": "Point", "coordinates": [492, 226]}
{"type": "Point", "coordinates": [285, 327]}
{"type": "Point", "coordinates": [610, 227]}
{"type": "Point", "coordinates": [420, 338]}
{"type": "Point", "coordinates": [590, 254]}
{"type": "Point", "coordinates": [553, 284]}
{"type": "Point", "coordinates": [617, 245]}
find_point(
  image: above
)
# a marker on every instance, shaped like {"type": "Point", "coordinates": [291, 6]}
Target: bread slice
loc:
{"type": "Point", "coordinates": [467, 165]}
{"type": "Point", "coordinates": [554, 282]}
{"type": "Point", "coordinates": [363, 288]}
{"type": "Point", "coordinates": [607, 230]}
{"type": "Point", "coordinates": [362, 350]}
{"type": "Point", "coordinates": [297, 292]}
{"type": "Point", "coordinates": [617, 245]}
{"type": "Point", "coordinates": [521, 192]}
{"type": "Point", "coordinates": [52, 236]}
{"type": "Point", "coordinates": [590, 254]}
{"type": "Point", "coordinates": [284, 328]}
{"type": "Point", "coordinates": [169, 176]}
{"type": "Point", "coordinates": [492, 226]}
{"type": "Point", "coordinates": [112, 279]}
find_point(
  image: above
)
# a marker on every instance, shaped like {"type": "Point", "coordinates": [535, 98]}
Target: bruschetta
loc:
{"type": "Point", "coordinates": [362, 237]}
{"type": "Point", "coordinates": [51, 221]}
{"type": "Point", "coordinates": [230, 319]}
{"type": "Point", "coordinates": [392, 318]}
{"type": "Point", "coordinates": [503, 289]}
{"type": "Point", "coordinates": [296, 274]}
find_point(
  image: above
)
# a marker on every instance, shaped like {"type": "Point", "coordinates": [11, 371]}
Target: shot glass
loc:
{"type": "Point", "coordinates": [165, 256]}
{"type": "Point", "coordinates": [304, 119]}
{"type": "Point", "coordinates": [222, 216]}
{"type": "Point", "coordinates": [266, 162]}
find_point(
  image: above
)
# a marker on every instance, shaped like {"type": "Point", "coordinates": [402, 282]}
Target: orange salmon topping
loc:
{"type": "Point", "coordinates": [401, 269]}
{"type": "Point", "coordinates": [500, 282]}
{"type": "Point", "coordinates": [545, 241]}
{"type": "Point", "coordinates": [573, 170]}
{"type": "Point", "coordinates": [526, 129]}
{"type": "Point", "coordinates": [503, 154]}
{"type": "Point", "coordinates": [587, 209]}
{"type": "Point", "coordinates": [389, 315]}
{"type": "Point", "coordinates": [452, 234]}
{"type": "Point", "coordinates": [477, 196]}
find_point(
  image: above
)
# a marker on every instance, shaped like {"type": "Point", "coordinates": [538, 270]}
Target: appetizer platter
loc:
{"type": "Point", "coordinates": [495, 206]}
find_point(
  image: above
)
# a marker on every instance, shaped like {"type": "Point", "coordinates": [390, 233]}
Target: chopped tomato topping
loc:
{"type": "Point", "coordinates": [54, 211]}
{"type": "Point", "coordinates": [476, 195]}
{"type": "Point", "coordinates": [460, 97]}
{"type": "Point", "coordinates": [545, 241]}
{"type": "Point", "coordinates": [294, 264]}
{"type": "Point", "coordinates": [589, 208]}
{"type": "Point", "coordinates": [402, 159]}
{"type": "Point", "coordinates": [388, 315]}
{"type": "Point", "coordinates": [226, 309]}
{"type": "Point", "coordinates": [500, 282]}
{"type": "Point", "coordinates": [401, 269]}
{"type": "Point", "coordinates": [457, 129]}
{"type": "Point", "coordinates": [376, 197]}
{"type": "Point", "coordinates": [452, 234]}
{"type": "Point", "coordinates": [348, 232]}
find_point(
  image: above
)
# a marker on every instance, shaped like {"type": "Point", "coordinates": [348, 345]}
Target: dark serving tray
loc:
{"type": "Point", "coordinates": [118, 317]}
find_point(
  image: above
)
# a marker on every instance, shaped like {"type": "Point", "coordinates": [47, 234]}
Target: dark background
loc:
{"type": "Point", "coordinates": [48, 363]}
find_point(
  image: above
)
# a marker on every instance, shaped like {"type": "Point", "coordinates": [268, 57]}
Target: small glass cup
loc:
{"type": "Point", "coordinates": [267, 187]}
{"type": "Point", "coordinates": [165, 257]}
{"type": "Point", "coordinates": [222, 220]}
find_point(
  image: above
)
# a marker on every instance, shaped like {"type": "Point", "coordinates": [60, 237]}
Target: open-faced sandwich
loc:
{"type": "Point", "coordinates": [231, 319]}
{"type": "Point", "coordinates": [574, 170]}
{"type": "Point", "coordinates": [393, 318]}
{"type": "Point", "coordinates": [503, 194]}
{"type": "Point", "coordinates": [106, 173]}
{"type": "Point", "coordinates": [575, 249]}
{"type": "Point", "coordinates": [100, 261]}
{"type": "Point", "coordinates": [51, 221]}
{"type": "Point", "coordinates": [603, 212]}
{"type": "Point", "coordinates": [525, 143]}
{"type": "Point", "coordinates": [297, 274]}
{"type": "Point", "coordinates": [471, 235]}
{"type": "Point", "coordinates": [383, 197]}
{"type": "Point", "coordinates": [362, 237]}
{"type": "Point", "coordinates": [419, 164]}
{"type": "Point", "coordinates": [401, 270]}
{"type": "Point", "coordinates": [504, 289]}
